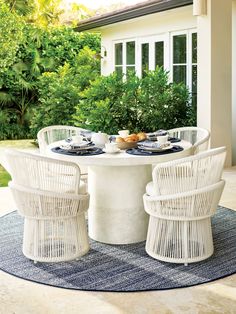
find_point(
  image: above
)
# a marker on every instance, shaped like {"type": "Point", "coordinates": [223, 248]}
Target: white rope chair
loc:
{"type": "Point", "coordinates": [199, 137]}
{"type": "Point", "coordinates": [55, 133]}
{"type": "Point", "coordinates": [181, 199]}
{"type": "Point", "coordinates": [53, 206]}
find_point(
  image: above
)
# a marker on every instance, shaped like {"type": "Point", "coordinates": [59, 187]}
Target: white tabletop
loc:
{"type": "Point", "coordinates": [121, 158]}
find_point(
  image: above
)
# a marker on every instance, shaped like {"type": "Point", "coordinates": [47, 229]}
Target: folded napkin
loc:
{"type": "Point", "coordinates": [82, 145]}
{"type": "Point", "coordinates": [71, 144]}
{"type": "Point", "coordinates": [141, 152]}
{"type": "Point", "coordinates": [157, 133]}
{"type": "Point", "coordinates": [150, 144]}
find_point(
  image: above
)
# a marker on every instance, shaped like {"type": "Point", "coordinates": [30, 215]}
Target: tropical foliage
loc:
{"type": "Point", "coordinates": [11, 36]}
{"type": "Point", "coordinates": [40, 12]}
{"type": "Point", "coordinates": [28, 51]}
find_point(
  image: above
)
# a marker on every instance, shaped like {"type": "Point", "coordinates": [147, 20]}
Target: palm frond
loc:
{"type": "Point", "coordinates": [26, 85]}
{"type": "Point", "coordinates": [20, 66]}
{"type": "Point", "coordinates": [22, 7]}
{"type": "Point", "coordinates": [48, 63]}
{"type": "Point", "coordinates": [6, 98]}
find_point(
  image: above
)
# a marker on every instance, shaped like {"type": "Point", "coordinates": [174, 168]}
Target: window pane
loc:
{"type": "Point", "coordinates": [194, 79]}
{"type": "Point", "coordinates": [118, 54]}
{"type": "Point", "coordinates": [194, 47]}
{"type": "Point", "coordinates": [145, 58]}
{"type": "Point", "coordinates": [119, 71]}
{"type": "Point", "coordinates": [179, 73]}
{"type": "Point", "coordinates": [194, 85]}
{"type": "Point", "coordinates": [130, 52]}
{"type": "Point", "coordinates": [179, 49]}
{"type": "Point", "coordinates": [159, 54]}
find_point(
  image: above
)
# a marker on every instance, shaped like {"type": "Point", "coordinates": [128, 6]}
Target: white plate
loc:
{"type": "Point", "coordinates": [79, 145]}
{"type": "Point", "coordinates": [155, 149]}
{"type": "Point", "coordinates": [113, 152]}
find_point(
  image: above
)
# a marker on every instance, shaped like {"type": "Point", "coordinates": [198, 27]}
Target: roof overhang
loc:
{"type": "Point", "coordinates": [131, 12]}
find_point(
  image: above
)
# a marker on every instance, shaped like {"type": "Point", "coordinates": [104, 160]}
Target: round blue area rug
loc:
{"type": "Point", "coordinates": [120, 268]}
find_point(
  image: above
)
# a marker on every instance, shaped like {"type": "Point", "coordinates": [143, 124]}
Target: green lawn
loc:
{"type": "Point", "coordinates": [23, 144]}
{"type": "Point", "coordinates": [19, 144]}
{"type": "Point", "coordinates": [4, 177]}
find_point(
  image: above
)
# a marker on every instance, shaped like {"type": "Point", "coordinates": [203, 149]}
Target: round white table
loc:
{"type": "Point", "coordinates": [116, 183]}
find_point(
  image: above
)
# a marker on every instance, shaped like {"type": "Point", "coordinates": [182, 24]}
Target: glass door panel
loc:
{"type": "Point", "coordinates": [130, 53]}
{"type": "Point", "coordinates": [180, 58]}
{"type": "Point", "coordinates": [119, 54]}
{"type": "Point", "coordinates": [145, 58]}
{"type": "Point", "coordinates": [159, 54]}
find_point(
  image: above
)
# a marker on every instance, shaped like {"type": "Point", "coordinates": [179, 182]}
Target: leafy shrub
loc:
{"type": "Point", "coordinates": [59, 92]}
{"type": "Point", "coordinates": [10, 128]}
{"type": "Point", "coordinates": [148, 104]}
{"type": "Point", "coordinates": [164, 105]}
{"type": "Point", "coordinates": [98, 108]}
{"type": "Point", "coordinates": [62, 44]}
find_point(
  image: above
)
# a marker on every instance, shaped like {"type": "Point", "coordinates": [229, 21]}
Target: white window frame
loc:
{"type": "Point", "coordinates": [124, 64]}
{"type": "Point", "coordinates": [188, 63]}
{"type": "Point", "coordinates": [151, 40]}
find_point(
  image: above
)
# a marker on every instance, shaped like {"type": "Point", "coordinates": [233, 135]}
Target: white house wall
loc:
{"type": "Point", "coordinates": [154, 24]}
{"type": "Point", "coordinates": [234, 82]}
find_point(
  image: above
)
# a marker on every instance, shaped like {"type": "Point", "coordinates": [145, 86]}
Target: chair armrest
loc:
{"type": "Point", "coordinates": [45, 204]}
{"type": "Point", "coordinates": [199, 203]}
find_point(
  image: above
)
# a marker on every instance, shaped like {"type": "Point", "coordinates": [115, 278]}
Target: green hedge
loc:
{"type": "Point", "coordinates": [146, 104]}
{"type": "Point", "coordinates": [59, 92]}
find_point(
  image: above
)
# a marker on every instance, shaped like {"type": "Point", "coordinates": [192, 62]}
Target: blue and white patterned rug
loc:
{"type": "Point", "coordinates": [120, 268]}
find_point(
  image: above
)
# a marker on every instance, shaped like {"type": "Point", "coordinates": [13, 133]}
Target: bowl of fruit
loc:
{"type": "Point", "coordinates": [130, 141]}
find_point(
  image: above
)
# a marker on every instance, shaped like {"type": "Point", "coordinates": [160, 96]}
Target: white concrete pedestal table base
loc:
{"type": "Point", "coordinates": [116, 184]}
{"type": "Point", "coordinates": [116, 213]}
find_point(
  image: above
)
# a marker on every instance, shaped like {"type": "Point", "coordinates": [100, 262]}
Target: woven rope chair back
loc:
{"type": "Point", "coordinates": [40, 172]}
{"type": "Point", "coordinates": [189, 173]}
{"type": "Point", "coordinates": [55, 133]}
{"type": "Point", "coordinates": [198, 137]}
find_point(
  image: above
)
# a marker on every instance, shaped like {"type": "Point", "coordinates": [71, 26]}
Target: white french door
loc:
{"type": "Point", "coordinates": [152, 52]}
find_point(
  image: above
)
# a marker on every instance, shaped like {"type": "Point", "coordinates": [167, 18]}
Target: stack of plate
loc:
{"type": "Point", "coordinates": [74, 147]}
{"type": "Point", "coordinates": [154, 146]}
